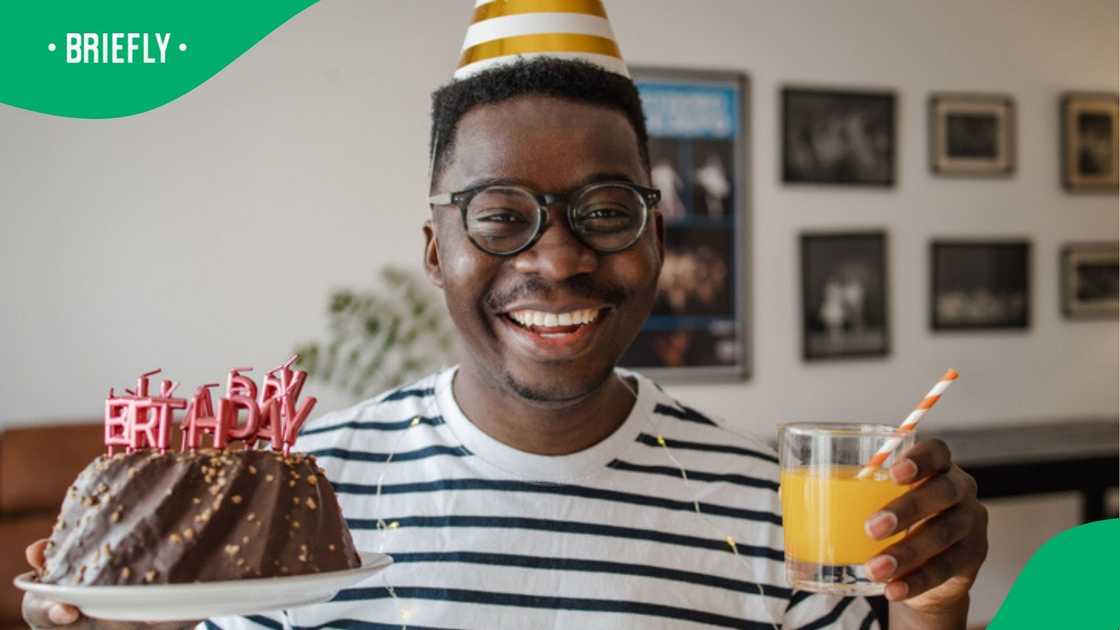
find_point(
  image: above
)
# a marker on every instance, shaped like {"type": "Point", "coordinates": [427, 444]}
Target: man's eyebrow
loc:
{"type": "Point", "coordinates": [495, 181]}
{"type": "Point", "coordinates": [593, 178]}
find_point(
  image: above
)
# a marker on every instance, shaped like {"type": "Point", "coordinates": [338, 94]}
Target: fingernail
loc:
{"type": "Point", "coordinates": [62, 615]}
{"type": "Point", "coordinates": [881, 567]}
{"type": "Point", "coordinates": [904, 470]}
{"type": "Point", "coordinates": [881, 524]}
{"type": "Point", "coordinates": [897, 590]}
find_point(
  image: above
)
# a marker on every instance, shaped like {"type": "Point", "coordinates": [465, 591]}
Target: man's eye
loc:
{"type": "Point", "coordinates": [500, 216]}
{"type": "Point", "coordinates": [604, 213]}
{"type": "Point", "coordinates": [605, 219]}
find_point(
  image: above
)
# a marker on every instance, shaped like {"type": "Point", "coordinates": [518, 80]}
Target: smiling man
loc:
{"type": "Point", "coordinates": [537, 485]}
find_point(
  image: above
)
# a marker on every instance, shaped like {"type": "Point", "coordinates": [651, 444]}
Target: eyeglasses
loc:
{"type": "Point", "coordinates": [504, 220]}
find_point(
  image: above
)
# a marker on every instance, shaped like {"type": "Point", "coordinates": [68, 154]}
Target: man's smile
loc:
{"type": "Point", "coordinates": [535, 319]}
{"type": "Point", "coordinates": [552, 331]}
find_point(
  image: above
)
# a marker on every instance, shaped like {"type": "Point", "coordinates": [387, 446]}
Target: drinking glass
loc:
{"type": "Point", "coordinates": [825, 503]}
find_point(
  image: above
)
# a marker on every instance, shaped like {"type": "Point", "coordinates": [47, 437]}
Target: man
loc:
{"type": "Point", "coordinates": [536, 484]}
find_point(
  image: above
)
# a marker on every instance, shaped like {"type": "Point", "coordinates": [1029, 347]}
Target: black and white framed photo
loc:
{"type": "Point", "coordinates": [1089, 142]}
{"type": "Point", "coordinates": [844, 295]}
{"type": "Point", "coordinates": [971, 134]}
{"type": "Point", "coordinates": [697, 139]}
{"type": "Point", "coordinates": [978, 285]}
{"type": "Point", "coordinates": [1091, 280]}
{"type": "Point", "coordinates": [838, 137]}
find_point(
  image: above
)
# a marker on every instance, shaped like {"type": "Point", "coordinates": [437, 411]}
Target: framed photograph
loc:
{"type": "Point", "coordinates": [971, 134]}
{"type": "Point", "coordinates": [1089, 142]}
{"type": "Point", "coordinates": [1091, 280]}
{"type": "Point", "coordinates": [980, 285]}
{"type": "Point", "coordinates": [844, 295]}
{"type": "Point", "coordinates": [697, 127]}
{"type": "Point", "coordinates": [838, 137]}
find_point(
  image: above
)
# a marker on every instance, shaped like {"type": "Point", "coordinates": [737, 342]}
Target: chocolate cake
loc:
{"type": "Point", "coordinates": [202, 516]}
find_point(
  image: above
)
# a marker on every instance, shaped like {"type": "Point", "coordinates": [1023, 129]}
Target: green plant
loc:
{"type": "Point", "coordinates": [382, 337]}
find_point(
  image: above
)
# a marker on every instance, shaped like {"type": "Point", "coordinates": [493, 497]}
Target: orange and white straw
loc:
{"type": "Point", "coordinates": [910, 423]}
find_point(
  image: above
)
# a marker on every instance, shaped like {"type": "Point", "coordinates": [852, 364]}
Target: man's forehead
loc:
{"type": "Point", "coordinates": [550, 143]}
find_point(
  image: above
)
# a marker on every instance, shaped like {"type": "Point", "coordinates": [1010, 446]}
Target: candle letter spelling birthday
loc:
{"type": "Point", "coordinates": [280, 419]}
{"type": "Point", "coordinates": [138, 419]}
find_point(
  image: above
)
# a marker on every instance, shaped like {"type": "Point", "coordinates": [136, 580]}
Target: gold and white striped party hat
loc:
{"type": "Point", "coordinates": [502, 31]}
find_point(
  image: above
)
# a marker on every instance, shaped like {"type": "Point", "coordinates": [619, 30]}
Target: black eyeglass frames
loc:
{"type": "Point", "coordinates": [505, 219]}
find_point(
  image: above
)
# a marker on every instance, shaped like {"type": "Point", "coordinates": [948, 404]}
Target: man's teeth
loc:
{"type": "Point", "coordinates": [527, 317]}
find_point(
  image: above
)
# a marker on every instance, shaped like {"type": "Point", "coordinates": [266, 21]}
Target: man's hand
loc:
{"type": "Point", "coordinates": [930, 571]}
{"type": "Point", "coordinates": [41, 613]}
{"type": "Point", "coordinates": [38, 612]}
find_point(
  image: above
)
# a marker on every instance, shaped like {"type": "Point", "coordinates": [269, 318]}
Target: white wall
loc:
{"type": "Point", "coordinates": [207, 233]}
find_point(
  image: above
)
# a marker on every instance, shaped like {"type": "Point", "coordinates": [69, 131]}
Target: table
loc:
{"type": "Point", "coordinates": [1080, 455]}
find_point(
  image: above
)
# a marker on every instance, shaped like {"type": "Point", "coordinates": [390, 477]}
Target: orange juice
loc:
{"type": "Point", "coordinates": [823, 511]}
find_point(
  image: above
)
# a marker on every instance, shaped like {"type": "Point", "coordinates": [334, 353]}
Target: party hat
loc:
{"type": "Point", "coordinates": [502, 31]}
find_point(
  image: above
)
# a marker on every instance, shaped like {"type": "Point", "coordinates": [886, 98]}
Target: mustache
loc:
{"type": "Point", "coordinates": [536, 288]}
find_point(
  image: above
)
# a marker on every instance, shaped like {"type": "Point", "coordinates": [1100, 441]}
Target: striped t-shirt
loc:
{"type": "Point", "coordinates": [485, 536]}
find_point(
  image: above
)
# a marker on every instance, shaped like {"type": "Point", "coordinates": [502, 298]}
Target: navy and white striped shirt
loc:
{"type": "Point", "coordinates": [485, 536]}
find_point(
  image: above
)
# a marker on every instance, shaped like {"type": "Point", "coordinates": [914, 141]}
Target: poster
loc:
{"type": "Point", "coordinates": [697, 135]}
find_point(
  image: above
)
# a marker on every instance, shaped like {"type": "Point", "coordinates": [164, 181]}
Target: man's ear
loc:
{"type": "Point", "coordinates": [431, 255]}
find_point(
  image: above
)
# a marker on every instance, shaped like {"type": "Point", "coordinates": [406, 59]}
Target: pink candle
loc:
{"type": "Point", "coordinates": [116, 421]}
{"type": "Point", "coordinates": [241, 393]}
{"type": "Point", "coordinates": [281, 419]}
{"type": "Point", "coordinates": [200, 419]}
{"type": "Point", "coordinates": [152, 418]}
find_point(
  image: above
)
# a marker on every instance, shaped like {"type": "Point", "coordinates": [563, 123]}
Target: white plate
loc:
{"type": "Point", "coordinates": [202, 600]}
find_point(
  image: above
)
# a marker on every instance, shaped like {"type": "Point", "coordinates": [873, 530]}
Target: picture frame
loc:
{"type": "Point", "coordinates": [698, 330]}
{"type": "Point", "coordinates": [1089, 275]}
{"type": "Point", "coordinates": [832, 136]}
{"type": "Point", "coordinates": [1090, 148]}
{"type": "Point", "coordinates": [971, 134]}
{"type": "Point", "coordinates": [844, 295]}
{"type": "Point", "coordinates": [980, 285]}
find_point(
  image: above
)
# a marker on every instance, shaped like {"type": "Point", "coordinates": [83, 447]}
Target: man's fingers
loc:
{"type": "Point", "coordinates": [928, 540]}
{"type": "Point", "coordinates": [62, 614]}
{"type": "Point", "coordinates": [35, 553]}
{"type": "Point", "coordinates": [938, 570]}
{"type": "Point", "coordinates": [924, 459]}
{"type": "Point", "coordinates": [42, 613]}
{"type": "Point", "coordinates": [935, 495]}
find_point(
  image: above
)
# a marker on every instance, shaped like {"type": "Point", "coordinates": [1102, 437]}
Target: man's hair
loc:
{"type": "Point", "coordinates": [568, 79]}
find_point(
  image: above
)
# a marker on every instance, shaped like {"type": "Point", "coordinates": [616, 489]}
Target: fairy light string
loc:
{"type": "Point", "coordinates": [714, 527]}
{"type": "Point", "coordinates": [383, 528]}
{"type": "Point", "coordinates": [406, 613]}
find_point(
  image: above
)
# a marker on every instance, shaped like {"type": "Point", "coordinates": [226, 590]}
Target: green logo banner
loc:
{"type": "Point", "coordinates": [111, 58]}
{"type": "Point", "coordinates": [1070, 582]}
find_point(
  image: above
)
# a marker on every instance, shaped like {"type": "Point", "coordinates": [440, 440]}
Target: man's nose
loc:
{"type": "Point", "coordinates": [558, 254]}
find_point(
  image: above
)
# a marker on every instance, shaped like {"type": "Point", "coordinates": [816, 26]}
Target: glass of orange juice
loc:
{"type": "Point", "coordinates": [824, 503]}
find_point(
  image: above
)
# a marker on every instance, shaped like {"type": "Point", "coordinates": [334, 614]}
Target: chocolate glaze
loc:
{"type": "Point", "coordinates": [197, 517]}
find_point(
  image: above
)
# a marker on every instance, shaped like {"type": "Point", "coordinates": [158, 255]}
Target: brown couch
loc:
{"type": "Point", "coordinates": [37, 464]}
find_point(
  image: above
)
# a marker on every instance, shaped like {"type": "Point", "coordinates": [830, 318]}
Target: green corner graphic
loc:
{"type": "Point", "coordinates": [1070, 582]}
{"type": "Point", "coordinates": [111, 58]}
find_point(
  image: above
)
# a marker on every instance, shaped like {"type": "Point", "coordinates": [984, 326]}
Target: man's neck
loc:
{"type": "Point", "coordinates": [541, 429]}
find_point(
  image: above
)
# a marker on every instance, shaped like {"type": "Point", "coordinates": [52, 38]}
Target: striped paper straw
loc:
{"type": "Point", "coordinates": [909, 424]}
